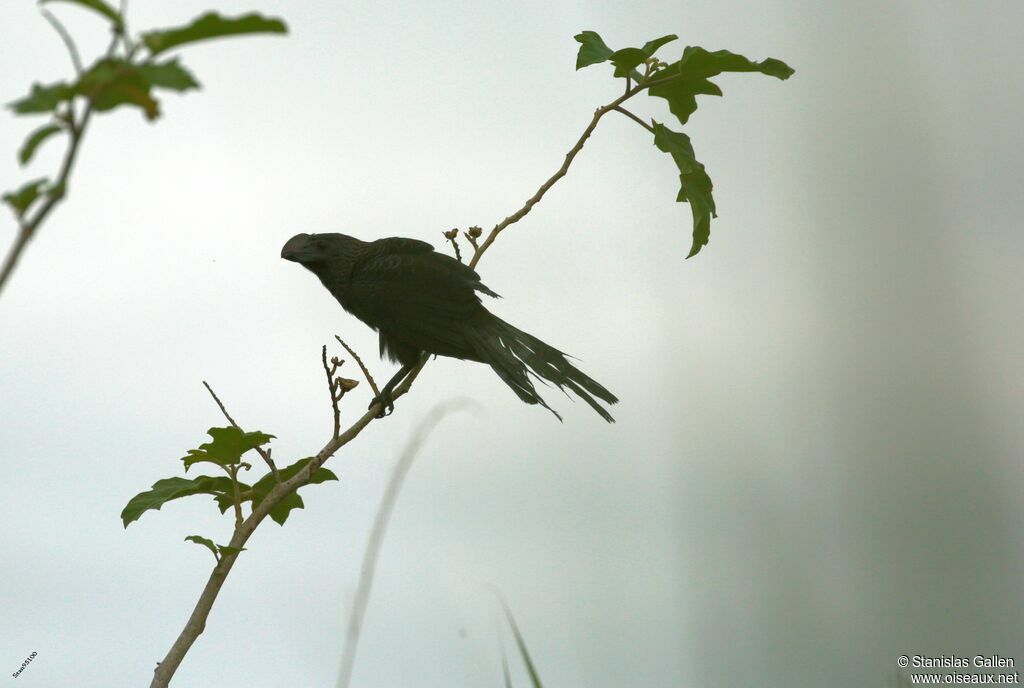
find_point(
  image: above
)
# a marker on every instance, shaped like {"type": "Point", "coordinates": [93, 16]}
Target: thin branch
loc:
{"type": "Point", "coordinates": [533, 200]}
{"type": "Point", "coordinates": [380, 524]}
{"type": "Point", "coordinates": [122, 10]}
{"type": "Point", "coordinates": [27, 227]}
{"type": "Point", "coordinates": [627, 113]}
{"type": "Point", "coordinates": [122, 27]}
{"type": "Point", "coordinates": [237, 494]}
{"type": "Point", "coordinates": [264, 453]}
{"type": "Point", "coordinates": [453, 237]}
{"type": "Point", "coordinates": [69, 43]}
{"type": "Point", "coordinates": [220, 404]}
{"type": "Point", "coordinates": [362, 366]}
{"type": "Point", "coordinates": [332, 389]}
{"type": "Point", "coordinates": [658, 82]}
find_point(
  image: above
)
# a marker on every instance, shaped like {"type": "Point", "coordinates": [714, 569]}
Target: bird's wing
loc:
{"type": "Point", "coordinates": [422, 297]}
{"type": "Point", "coordinates": [398, 246]}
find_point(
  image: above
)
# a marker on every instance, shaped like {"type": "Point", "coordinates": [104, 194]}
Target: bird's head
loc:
{"type": "Point", "coordinates": [310, 249]}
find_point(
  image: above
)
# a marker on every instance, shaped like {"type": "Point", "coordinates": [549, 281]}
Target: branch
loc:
{"type": "Point", "coordinates": [452, 236]}
{"type": "Point", "coordinates": [332, 388]}
{"type": "Point", "coordinates": [533, 200]}
{"type": "Point", "coordinates": [27, 228]}
{"type": "Point", "coordinates": [236, 492]}
{"type": "Point", "coordinates": [362, 366]}
{"type": "Point", "coordinates": [633, 117]}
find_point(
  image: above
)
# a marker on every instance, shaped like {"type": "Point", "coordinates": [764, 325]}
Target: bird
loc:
{"type": "Point", "coordinates": [422, 302]}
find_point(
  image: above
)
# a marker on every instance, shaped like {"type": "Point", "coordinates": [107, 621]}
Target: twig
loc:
{"type": "Point", "coordinates": [453, 236]}
{"type": "Point", "coordinates": [658, 82]}
{"type": "Point", "coordinates": [264, 453]}
{"type": "Point", "coordinates": [27, 228]}
{"type": "Point", "coordinates": [69, 43]}
{"type": "Point", "coordinates": [533, 200]}
{"type": "Point", "coordinates": [237, 493]}
{"type": "Point", "coordinates": [220, 404]}
{"type": "Point", "coordinates": [122, 29]}
{"type": "Point", "coordinates": [332, 389]}
{"type": "Point", "coordinates": [362, 366]}
{"type": "Point", "coordinates": [380, 524]}
{"type": "Point", "coordinates": [633, 117]}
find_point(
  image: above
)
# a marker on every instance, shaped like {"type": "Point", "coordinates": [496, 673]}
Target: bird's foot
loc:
{"type": "Point", "coordinates": [387, 405]}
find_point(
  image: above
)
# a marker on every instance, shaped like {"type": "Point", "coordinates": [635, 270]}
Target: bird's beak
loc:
{"type": "Point", "coordinates": [297, 248]}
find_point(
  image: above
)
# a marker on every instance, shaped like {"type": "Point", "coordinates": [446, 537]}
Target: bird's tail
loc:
{"type": "Point", "coordinates": [515, 355]}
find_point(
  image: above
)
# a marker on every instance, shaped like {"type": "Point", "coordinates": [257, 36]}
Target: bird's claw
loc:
{"type": "Point", "coordinates": [387, 406]}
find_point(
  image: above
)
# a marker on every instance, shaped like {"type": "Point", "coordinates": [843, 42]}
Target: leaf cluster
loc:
{"type": "Point", "coordinates": [225, 450]}
{"type": "Point", "coordinates": [129, 75]}
{"type": "Point", "coordinates": [678, 83]}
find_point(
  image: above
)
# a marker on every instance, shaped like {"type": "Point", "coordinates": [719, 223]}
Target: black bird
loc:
{"type": "Point", "coordinates": [424, 302]}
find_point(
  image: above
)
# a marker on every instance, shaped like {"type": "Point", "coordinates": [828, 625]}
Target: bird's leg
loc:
{"type": "Point", "coordinates": [387, 404]}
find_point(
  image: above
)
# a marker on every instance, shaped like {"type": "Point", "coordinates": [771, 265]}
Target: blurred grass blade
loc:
{"type": "Point", "coordinates": [504, 668]}
{"type": "Point", "coordinates": [521, 644]}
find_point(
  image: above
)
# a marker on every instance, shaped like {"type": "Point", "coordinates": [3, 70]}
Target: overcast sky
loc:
{"type": "Point", "coordinates": [816, 466]}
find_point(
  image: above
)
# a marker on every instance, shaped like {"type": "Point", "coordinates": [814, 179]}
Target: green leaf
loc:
{"type": "Point", "coordinates": [111, 83]}
{"type": "Point", "coordinates": [227, 446]}
{"type": "Point", "coordinates": [698, 62]}
{"type": "Point", "coordinates": [258, 492]}
{"type": "Point", "coordinates": [592, 49]}
{"type": "Point", "coordinates": [167, 489]}
{"type": "Point", "coordinates": [262, 487]}
{"type": "Point", "coordinates": [687, 78]}
{"type": "Point", "coordinates": [43, 98]}
{"type": "Point", "coordinates": [96, 6]}
{"type": "Point", "coordinates": [284, 508]}
{"type": "Point", "coordinates": [218, 550]}
{"type": "Point", "coordinates": [694, 182]}
{"type": "Point", "coordinates": [227, 549]}
{"type": "Point", "coordinates": [681, 95]}
{"type": "Point", "coordinates": [651, 47]}
{"type": "Point", "coordinates": [210, 25]}
{"type": "Point", "coordinates": [25, 196]}
{"type": "Point", "coordinates": [626, 60]}
{"type": "Point", "coordinates": [169, 75]}
{"type": "Point", "coordinates": [34, 140]}
{"type": "Point", "coordinates": [205, 542]}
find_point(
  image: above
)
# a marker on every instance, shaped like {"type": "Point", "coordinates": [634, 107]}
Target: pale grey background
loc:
{"type": "Point", "coordinates": [817, 462]}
